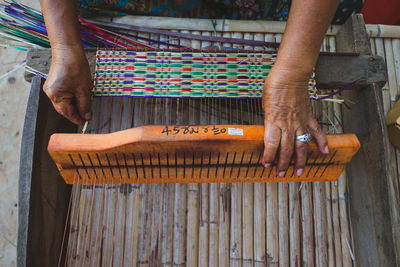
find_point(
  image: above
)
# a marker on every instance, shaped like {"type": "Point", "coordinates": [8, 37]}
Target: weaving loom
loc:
{"type": "Point", "coordinates": [339, 223]}
{"type": "Point", "coordinates": [186, 154]}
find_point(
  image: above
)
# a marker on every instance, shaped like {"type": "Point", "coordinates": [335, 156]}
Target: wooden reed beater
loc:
{"type": "Point", "coordinates": [187, 154]}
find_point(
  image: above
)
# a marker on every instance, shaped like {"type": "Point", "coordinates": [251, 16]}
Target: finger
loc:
{"type": "Point", "coordinates": [67, 109]}
{"type": "Point", "coordinates": [272, 138]}
{"type": "Point", "coordinates": [300, 154]}
{"type": "Point", "coordinates": [285, 152]}
{"type": "Point", "coordinates": [84, 103]}
{"type": "Point", "coordinates": [316, 131]}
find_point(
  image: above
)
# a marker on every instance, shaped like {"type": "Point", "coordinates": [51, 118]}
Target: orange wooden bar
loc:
{"type": "Point", "coordinates": [187, 154]}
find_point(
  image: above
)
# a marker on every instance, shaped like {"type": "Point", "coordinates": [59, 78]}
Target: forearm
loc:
{"type": "Point", "coordinates": [305, 30]}
{"type": "Point", "coordinates": [62, 25]}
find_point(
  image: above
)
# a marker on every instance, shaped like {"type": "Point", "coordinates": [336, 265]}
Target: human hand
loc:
{"type": "Point", "coordinates": [288, 113]}
{"type": "Point", "coordinates": [69, 83]}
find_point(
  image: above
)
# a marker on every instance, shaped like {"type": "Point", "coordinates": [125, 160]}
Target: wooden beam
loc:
{"type": "Point", "coordinates": [373, 200]}
{"type": "Point", "coordinates": [333, 70]}
{"type": "Point", "coordinates": [43, 196]}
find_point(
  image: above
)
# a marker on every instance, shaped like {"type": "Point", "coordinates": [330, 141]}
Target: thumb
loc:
{"type": "Point", "coordinates": [84, 103]}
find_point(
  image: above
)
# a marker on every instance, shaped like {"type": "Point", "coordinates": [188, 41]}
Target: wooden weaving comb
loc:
{"type": "Point", "coordinates": [187, 154]}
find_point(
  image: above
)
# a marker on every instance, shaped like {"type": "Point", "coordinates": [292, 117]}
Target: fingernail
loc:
{"type": "Point", "coordinates": [267, 165]}
{"type": "Point", "coordinates": [88, 116]}
{"type": "Point", "coordinates": [281, 174]}
{"type": "Point", "coordinates": [299, 172]}
{"type": "Point", "coordinates": [326, 150]}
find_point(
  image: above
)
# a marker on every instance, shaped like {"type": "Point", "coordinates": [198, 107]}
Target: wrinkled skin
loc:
{"type": "Point", "coordinates": [288, 114]}
{"type": "Point", "coordinates": [69, 84]}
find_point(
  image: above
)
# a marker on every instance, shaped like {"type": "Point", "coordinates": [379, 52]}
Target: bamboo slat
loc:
{"type": "Point", "coordinates": [283, 224]}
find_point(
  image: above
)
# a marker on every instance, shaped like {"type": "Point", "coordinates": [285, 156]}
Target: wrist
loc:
{"type": "Point", "coordinates": [66, 53]}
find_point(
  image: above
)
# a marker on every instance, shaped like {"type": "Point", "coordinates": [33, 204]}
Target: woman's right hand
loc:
{"type": "Point", "coordinates": [69, 83]}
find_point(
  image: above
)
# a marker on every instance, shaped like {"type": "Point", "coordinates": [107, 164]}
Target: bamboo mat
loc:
{"type": "Point", "coordinates": [207, 224]}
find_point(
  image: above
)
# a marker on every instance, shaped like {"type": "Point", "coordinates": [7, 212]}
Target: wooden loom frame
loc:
{"type": "Point", "coordinates": [375, 224]}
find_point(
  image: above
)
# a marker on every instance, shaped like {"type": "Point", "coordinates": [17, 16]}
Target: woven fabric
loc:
{"type": "Point", "coordinates": [183, 74]}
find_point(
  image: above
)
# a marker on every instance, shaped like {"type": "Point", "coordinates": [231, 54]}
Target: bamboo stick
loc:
{"type": "Point", "coordinates": [396, 56]}
{"type": "Point", "coordinates": [272, 224]}
{"type": "Point", "coordinates": [332, 43]}
{"type": "Point", "coordinates": [224, 209]}
{"type": "Point", "coordinates": [259, 37]}
{"type": "Point", "coordinates": [272, 218]}
{"type": "Point", "coordinates": [193, 225]}
{"type": "Point", "coordinates": [382, 31]}
{"type": "Point", "coordinates": [186, 42]}
{"type": "Point", "coordinates": [145, 221]}
{"type": "Point", "coordinates": [156, 225]}
{"type": "Point", "coordinates": [380, 51]}
{"type": "Point", "coordinates": [132, 225]}
{"type": "Point", "coordinates": [344, 224]}
{"type": "Point", "coordinates": [283, 224]}
{"type": "Point", "coordinates": [119, 226]}
{"type": "Point", "coordinates": [81, 227]}
{"type": "Point", "coordinates": [307, 224]}
{"type": "Point", "coordinates": [391, 71]}
{"type": "Point", "coordinates": [237, 35]}
{"type": "Point", "coordinates": [204, 225]}
{"type": "Point", "coordinates": [205, 44]}
{"type": "Point", "coordinates": [193, 199]}
{"type": "Point", "coordinates": [213, 225]}
{"type": "Point", "coordinates": [168, 225]}
{"type": "Point", "coordinates": [247, 214]}
{"type": "Point", "coordinates": [294, 224]}
{"type": "Point", "coordinates": [248, 205]}
{"type": "Point", "coordinates": [329, 226]}
{"type": "Point", "coordinates": [248, 36]}
{"type": "Point", "coordinates": [96, 231]}
{"type": "Point", "coordinates": [224, 224]}
{"type": "Point", "coordinates": [195, 43]}
{"type": "Point", "coordinates": [236, 247]}
{"type": "Point", "coordinates": [328, 110]}
{"type": "Point", "coordinates": [259, 225]}
{"type": "Point", "coordinates": [373, 48]}
{"type": "Point", "coordinates": [335, 204]}
{"type": "Point", "coordinates": [227, 35]}
{"type": "Point", "coordinates": [179, 255]}
{"type": "Point", "coordinates": [108, 227]}
{"type": "Point", "coordinates": [320, 224]}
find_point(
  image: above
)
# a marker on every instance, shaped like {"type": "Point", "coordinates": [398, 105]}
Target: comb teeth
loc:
{"type": "Point", "coordinates": [156, 154]}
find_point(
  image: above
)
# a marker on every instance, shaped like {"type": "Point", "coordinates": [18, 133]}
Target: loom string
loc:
{"type": "Point", "coordinates": [103, 34]}
{"type": "Point", "coordinates": [337, 92]}
{"type": "Point", "coordinates": [120, 26]}
{"type": "Point", "coordinates": [75, 212]}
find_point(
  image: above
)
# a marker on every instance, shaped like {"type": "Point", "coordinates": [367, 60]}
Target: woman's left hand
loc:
{"type": "Point", "coordinates": [288, 114]}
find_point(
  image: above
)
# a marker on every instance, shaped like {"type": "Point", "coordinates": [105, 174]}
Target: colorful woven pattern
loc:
{"type": "Point", "coordinates": [183, 74]}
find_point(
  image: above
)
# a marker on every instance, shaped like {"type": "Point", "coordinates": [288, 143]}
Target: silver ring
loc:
{"type": "Point", "coordinates": [304, 138]}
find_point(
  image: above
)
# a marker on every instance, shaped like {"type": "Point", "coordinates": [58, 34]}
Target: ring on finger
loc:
{"type": "Point", "coordinates": [304, 138]}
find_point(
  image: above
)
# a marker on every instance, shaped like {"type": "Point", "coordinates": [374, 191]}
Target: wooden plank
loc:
{"type": "Point", "coordinates": [332, 70]}
{"type": "Point", "coordinates": [370, 181]}
{"type": "Point", "coordinates": [40, 193]}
